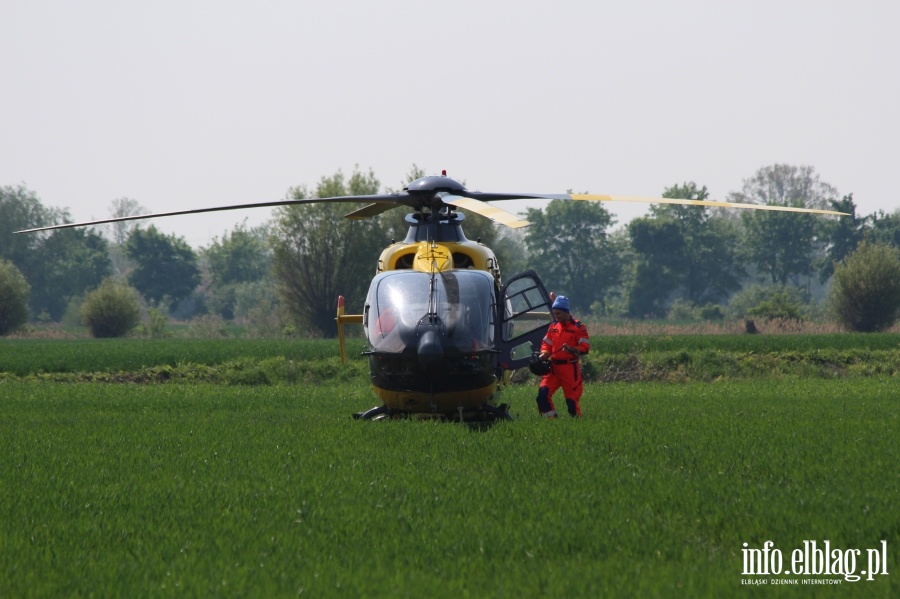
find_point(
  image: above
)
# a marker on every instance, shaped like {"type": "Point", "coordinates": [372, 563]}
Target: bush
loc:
{"type": "Point", "coordinates": [778, 307]}
{"type": "Point", "coordinates": [157, 322]}
{"type": "Point", "coordinates": [208, 326]}
{"type": "Point", "coordinates": [257, 307]}
{"type": "Point", "coordinates": [72, 316]}
{"type": "Point", "coordinates": [711, 312]}
{"type": "Point", "coordinates": [683, 310]}
{"type": "Point", "coordinates": [14, 292]}
{"type": "Point", "coordinates": [111, 310]}
{"type": "Point", "coordinates": [769, 302]}
{"type": "Point", "coordinates": [865, 292]}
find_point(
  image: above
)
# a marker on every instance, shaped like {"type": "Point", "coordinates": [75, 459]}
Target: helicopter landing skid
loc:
{"type": "Point", "coordinates": [376, 413]}
{"type": "Point", "coordinates": [486, 414]}
{"type": "Point", "coordinates": [493, 413]}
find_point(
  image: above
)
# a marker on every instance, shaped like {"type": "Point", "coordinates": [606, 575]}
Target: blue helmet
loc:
{"type": "Point", "coordinates": [561, 303]}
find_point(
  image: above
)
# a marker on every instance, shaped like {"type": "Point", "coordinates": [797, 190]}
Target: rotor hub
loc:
{"type": "Point", "coordinates": [434, 183]}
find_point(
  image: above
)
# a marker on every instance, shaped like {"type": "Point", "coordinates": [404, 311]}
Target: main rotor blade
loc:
{"type": "Point", "coordinates": [712, 203]}
{"type": "Point", "coordinates": [371, 210]}
{"type": "Point", "coordinates": [485, 197]}
{"type": "Point", "coordinates": [390, 201]}
{"type": "Point", "coordinates": [498, 215]}
{"type": "Point", "coordinates": [471, 200]}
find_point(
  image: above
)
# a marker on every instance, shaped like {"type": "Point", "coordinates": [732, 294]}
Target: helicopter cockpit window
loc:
{"type": "Point", "coordinates": [462, 301]}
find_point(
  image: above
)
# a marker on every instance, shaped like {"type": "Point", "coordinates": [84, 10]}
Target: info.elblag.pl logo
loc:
{"type": "Point", "coordinates": [813, 559]}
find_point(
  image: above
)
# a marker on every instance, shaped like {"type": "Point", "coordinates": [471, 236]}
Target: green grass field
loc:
{"type": "Point", "coordinates": [273, 490]}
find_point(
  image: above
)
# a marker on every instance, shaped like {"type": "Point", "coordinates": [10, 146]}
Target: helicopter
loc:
{"type": "Point", "coordinates": [443, 331]}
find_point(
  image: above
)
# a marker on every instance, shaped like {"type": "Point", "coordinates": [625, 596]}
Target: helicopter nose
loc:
{"type": "Point", "coordinates": [430, 350]}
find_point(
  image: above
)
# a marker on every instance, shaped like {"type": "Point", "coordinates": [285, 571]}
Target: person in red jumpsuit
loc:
{"type": "Point", "coordinates": [566, 340]}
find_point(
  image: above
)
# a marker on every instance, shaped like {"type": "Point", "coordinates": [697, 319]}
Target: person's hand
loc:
{"type": "Point", "coordinates": [568, 348]}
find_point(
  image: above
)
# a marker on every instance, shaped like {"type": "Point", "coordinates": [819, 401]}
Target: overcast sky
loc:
{"type": "Point", "coordinates": [194, 104]}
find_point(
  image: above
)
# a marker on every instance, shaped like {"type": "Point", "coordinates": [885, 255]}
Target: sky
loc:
{"type": "Point", "coordinates": [190, 104]}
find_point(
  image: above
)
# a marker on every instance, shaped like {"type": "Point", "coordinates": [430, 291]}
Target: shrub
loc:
{"type": "Point", "coordinates": [251, 297]}
{"type": "Point", "coordinates": [769, 302]}
{"type": "Point", "coordinates": [111, 310]}
{"type": "Point", "coordinates": [208, 326]}
{"type": "Point", "coordinates": [778, 306]}
{"type": "Point", "coordinates": [157, 322]}
{"type": "Point", "coordinates": [683, 310]}
{"type": "Point", "coordinates": [865, 292]}
{"type": "Point", "coordinates": [72, 316]}
{"type": "Point", "coordinates": [711, 312]}
{"type": "Point", "coordinates": [14, 291]}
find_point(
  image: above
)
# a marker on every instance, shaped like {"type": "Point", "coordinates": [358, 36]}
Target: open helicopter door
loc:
{"type": "Point", "coordinates": [523, 317]}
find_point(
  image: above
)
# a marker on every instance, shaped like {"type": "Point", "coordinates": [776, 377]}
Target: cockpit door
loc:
{"type": "Point", "coordinates": [523, 317]}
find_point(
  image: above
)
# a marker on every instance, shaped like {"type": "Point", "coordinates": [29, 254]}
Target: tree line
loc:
{"type": "Point", "coordinates": [678, 261]}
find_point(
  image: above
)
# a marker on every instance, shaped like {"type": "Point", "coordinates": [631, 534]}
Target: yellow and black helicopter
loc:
{"type": "Point", "coordinates": [442, 330]}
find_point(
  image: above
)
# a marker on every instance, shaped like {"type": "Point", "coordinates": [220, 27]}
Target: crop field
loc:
{"type": "Point", "coordinates": [252, 479]}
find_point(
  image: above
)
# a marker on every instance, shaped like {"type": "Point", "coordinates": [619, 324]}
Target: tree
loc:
{"type": "Point", "coordinates": [13, 298]}
{"type": "Point", "coordinates": [683, 252]}
{"type": "Point", "coordinates": [784, 184]}
{"type": "Point", "coordinates": [318, 254]}
{"type": "Point", "coordinates": [569, 247]}
{"type": "Point", "coordinates": [660, 247]}
{"type": "Point", "coordinates": [615, 300]}
{"type": "Point", "coordinates": [883, 228]}
{"type": "Point", "coordinates": [72, 261]}
{"type": "Point", "coordinates": [122, 207]}
{"type": "Point", "coordinates": [242, 256]}
{"type": "Point", "coordinates": [166, 266]}
{"type": "Point", "coordinates": [118, 232]}
{"type": "Point", "coordinates": [842, 234]}
{"type": "Point", "coordinates": [21, 209]}
{"type": "Point", "coordinates": [710, 270]}
{"type": "Point", "coordinates": [111, 310]}
{"type": "Point", "coordinates": [256, 304]}
{"type": "Point", "coordinates": [779, 244]}
{"type": "Point", "coordinates": [865, 293]}
{"type": "Point", "coordinates": [60, 265]}
{"type": "Point", "coordinates": [783, 245]}
{"type": "Point", "coordinates": [509, 247]}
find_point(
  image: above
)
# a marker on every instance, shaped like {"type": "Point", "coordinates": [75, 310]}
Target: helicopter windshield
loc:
{"type": "Point", "coordinates": [462, 301]}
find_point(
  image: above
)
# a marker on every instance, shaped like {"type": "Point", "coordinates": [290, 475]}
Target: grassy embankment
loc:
{"type": "Point", "coordinates": [613, 358]}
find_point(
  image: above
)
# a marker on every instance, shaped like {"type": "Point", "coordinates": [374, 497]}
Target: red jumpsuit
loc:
{"type": "Point", "coordinates": [565, 370]}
